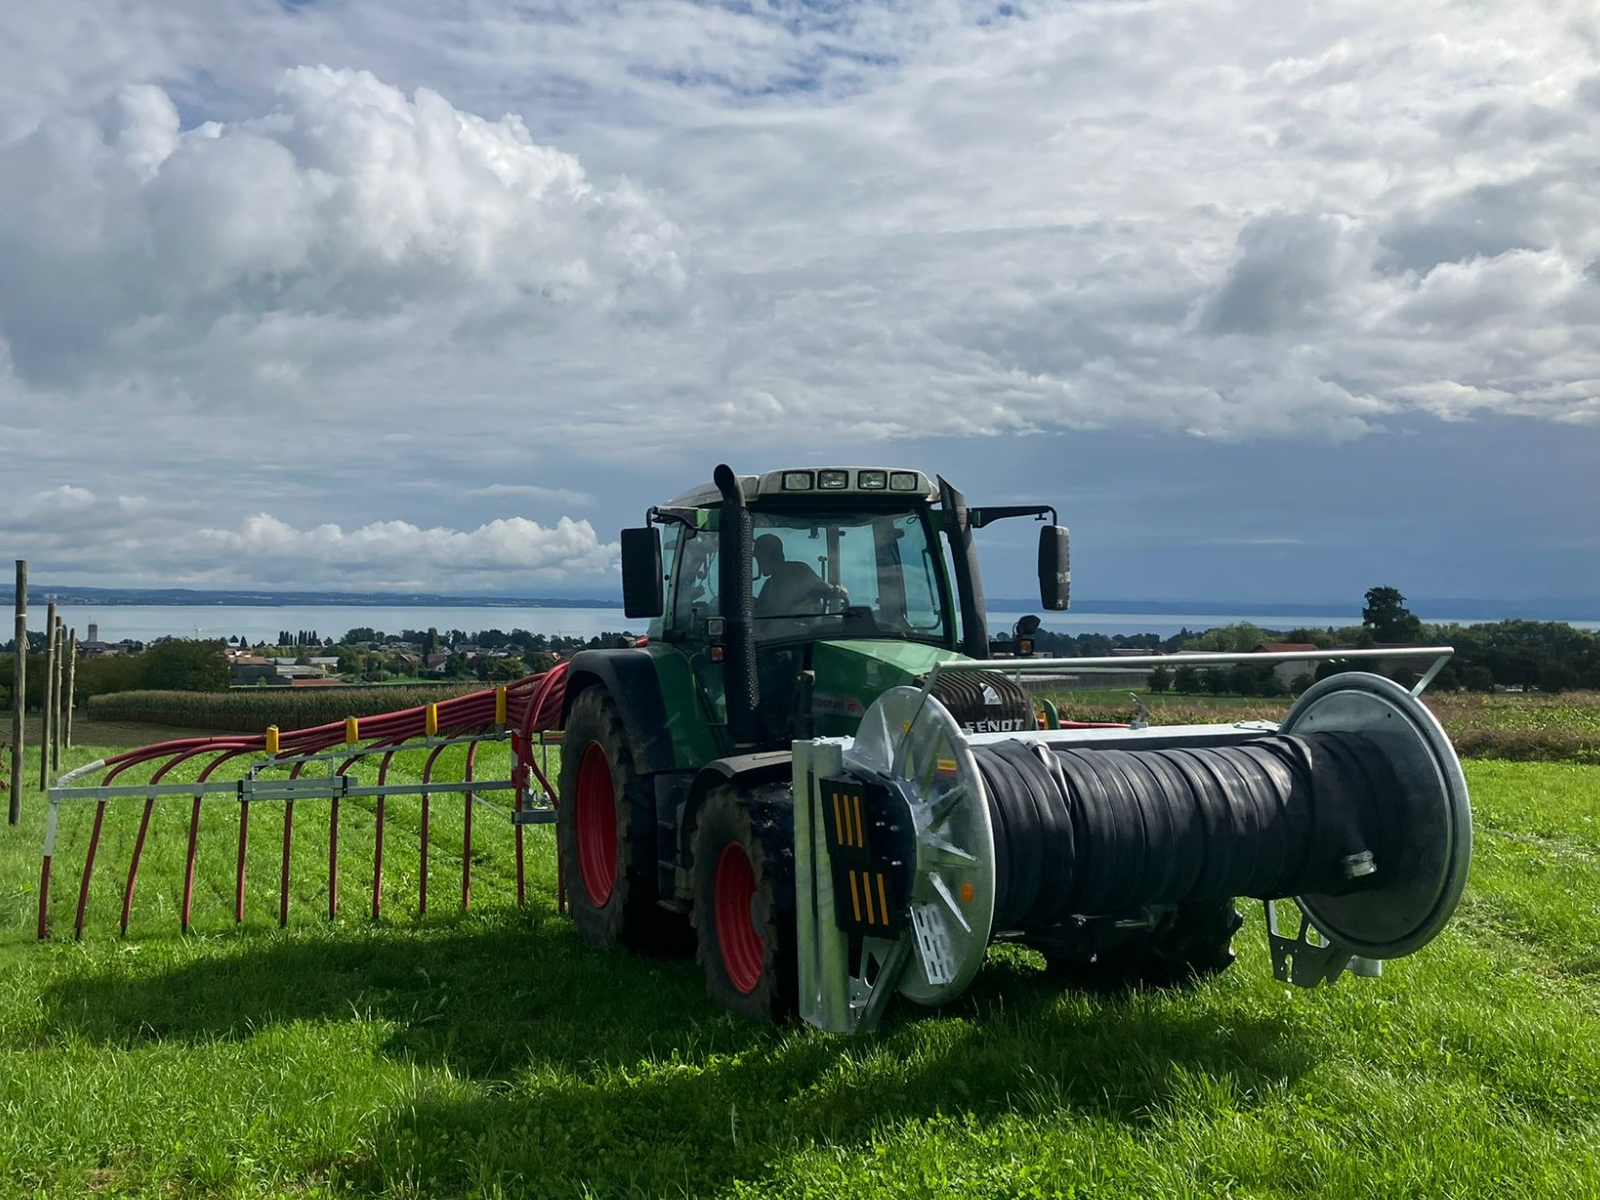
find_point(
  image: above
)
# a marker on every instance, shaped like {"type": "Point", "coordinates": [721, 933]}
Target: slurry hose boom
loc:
{"type": "Point", "coordinates": [918, 844]}
{"type": "Point", "coordinates": [317, 763]}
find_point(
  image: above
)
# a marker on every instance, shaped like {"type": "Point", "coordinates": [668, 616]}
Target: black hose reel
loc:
{"type": "Point", "coordinates": [919, 844]}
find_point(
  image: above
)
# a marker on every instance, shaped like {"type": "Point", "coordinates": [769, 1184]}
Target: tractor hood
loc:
{"type": "Point", "coordinates": [850, 675]}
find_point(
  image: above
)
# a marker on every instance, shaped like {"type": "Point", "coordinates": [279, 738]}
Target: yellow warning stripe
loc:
{"type": "Point", "coordinates": [855, 899]}
{"type": "Point", "coordinates": [861, 833]}
{"type": "Point", "coordinates": [883, 900]}
{"type": "Point", "coordinates": [867, 887]}
{"type": "Point", "coordinates": [838, 822]}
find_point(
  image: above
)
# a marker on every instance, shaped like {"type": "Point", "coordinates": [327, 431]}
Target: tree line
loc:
{"type": "Point", "coordinates": [188, 665]}
{"type": "Point", "coordinates": [1545, 656]}
{"type": "Point", "coordinates": [176, 664]}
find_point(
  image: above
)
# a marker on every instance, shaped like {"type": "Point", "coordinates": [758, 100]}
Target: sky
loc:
{"type": "Point", "coordinates": [1273, 302]}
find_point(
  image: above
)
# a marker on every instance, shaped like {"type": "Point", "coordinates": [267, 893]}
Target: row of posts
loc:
{"type": "Point", "coordinates": [60, 669]}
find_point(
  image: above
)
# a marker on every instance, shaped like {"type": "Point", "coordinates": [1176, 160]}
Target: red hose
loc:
{"type": "Point", "coordinates": [144, 827]}
{"type": "Point", "coordinates": [377, 839]}
{"type": "Point", "coordinates": [88, 867]}
{"type": "Point", "coordinates": [466, 835]}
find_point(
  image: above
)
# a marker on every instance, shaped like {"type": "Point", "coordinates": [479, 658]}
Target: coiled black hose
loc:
{"type": "Point", "coordinates": [1090, 832]}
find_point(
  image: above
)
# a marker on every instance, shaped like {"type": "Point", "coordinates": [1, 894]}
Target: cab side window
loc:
{"type": "Point", "coordinates": [671, 541]}
{"type": "Point", "coordinates": [694, 589]}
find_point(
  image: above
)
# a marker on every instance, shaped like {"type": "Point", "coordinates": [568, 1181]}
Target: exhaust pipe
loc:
{"type": "Point", "coordinates": [740, 688]}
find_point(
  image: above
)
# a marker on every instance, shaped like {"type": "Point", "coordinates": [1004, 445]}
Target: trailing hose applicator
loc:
{"type": "Point", "coordinates": [918, 844]}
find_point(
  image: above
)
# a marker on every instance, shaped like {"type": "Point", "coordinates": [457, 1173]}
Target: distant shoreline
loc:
{"type": "Point", "coordinates": [172, 598]}
{"type": "Point", "coordinates": [1444, 610]}
{"type": "Point", "coordinates": [1436, 610]}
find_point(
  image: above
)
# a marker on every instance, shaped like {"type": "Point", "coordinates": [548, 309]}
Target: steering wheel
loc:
{"type": "Point", "coordinates": [829, 597]}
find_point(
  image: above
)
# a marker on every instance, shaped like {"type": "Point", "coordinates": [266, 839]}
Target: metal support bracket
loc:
{"type": "Point", "coordinates": [1302, 961]}
{"type": "Point", "coordinates": [304, 788]}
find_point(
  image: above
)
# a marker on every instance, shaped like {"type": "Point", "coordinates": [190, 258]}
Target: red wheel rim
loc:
{"type": "Point", "coordinates": [742, 948]}
{"type": "Point", "coordinates": [595, 820]}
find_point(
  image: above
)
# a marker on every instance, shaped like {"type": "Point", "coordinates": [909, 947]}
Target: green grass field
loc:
{"type": "Point", "coordinates": [489, 1055]}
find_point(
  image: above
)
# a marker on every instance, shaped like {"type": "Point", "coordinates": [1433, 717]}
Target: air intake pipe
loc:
{"type": "Point", "coordinates": [740, 688]}
{"type": "Point", "coordinates": [918, 844]}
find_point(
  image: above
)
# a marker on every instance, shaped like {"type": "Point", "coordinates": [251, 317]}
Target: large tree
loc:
{"type": "Point", "coordinates": [1387, 616]}
{"type": "Point", "coordinates": [186, 666]}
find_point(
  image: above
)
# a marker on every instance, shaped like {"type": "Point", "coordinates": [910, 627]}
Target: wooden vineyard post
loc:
{"type": "Point", "coordinates": [48, 707]}
{"type": "Point", "coordinates": [19, 691]}
{"type": "Point", "coordinates": [58, 719]}
{"type": "Point", "coordinates": [72, 681]}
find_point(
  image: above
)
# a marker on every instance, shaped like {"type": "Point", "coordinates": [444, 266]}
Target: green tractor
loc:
{"type": "Point", "coordinates": [811, 772]}
{"type": "Point", "coordinates": [782, 606]}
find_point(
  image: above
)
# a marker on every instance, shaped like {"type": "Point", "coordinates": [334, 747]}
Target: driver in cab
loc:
{"type": "Point", "coordinates": [791, 588]}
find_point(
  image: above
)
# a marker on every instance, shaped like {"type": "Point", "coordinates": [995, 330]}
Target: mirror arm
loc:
{"type": "Point", "coordinates": [979, 517]}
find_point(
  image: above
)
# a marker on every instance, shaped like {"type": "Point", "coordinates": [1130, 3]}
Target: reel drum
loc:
{"type": "Point", "coordinates": [1418, 879]}
{"type": "Point", "coordinates": [915, 744]}
{"type": "Point", "coordinates": [1356, 807]}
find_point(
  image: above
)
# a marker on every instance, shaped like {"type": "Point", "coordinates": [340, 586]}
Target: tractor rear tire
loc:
{"type": "Point", "coordinates": [1195, 943]}
{"type": "Point", "coordinates": [743, 871]}
{"type": "Point", "coordinates": [606, 830]}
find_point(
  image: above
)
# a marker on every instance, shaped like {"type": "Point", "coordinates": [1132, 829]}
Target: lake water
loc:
{"type": "Point", "coordinates": [263, 623]}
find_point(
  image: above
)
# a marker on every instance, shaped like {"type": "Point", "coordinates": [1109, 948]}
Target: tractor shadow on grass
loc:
{"type": "Point", "coordinates": [620, 1076]}
{"type": "Point", "coordinates": [483, 994]}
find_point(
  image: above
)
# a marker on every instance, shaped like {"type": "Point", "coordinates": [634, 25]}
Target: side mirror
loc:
{"type": "Point", "coordinates": [1055, 567]}
{"type": "Point", "coordinates": [642, 591]}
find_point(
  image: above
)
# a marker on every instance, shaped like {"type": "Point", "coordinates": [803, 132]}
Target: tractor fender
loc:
{"type": "Point", "coordinates": [744, 770]}
{"type": "Point", "coordinates": [629, 676]}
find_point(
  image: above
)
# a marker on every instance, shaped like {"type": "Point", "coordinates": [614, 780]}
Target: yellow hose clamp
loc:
{"type": "Point", "coordinates": [352, 730]}
{"type": "Point", "coordinates": [272, 741]}
{"type": "Point", "coordinates": [500, 705]}
{"type": "Point", "coordinates": [431, 726]}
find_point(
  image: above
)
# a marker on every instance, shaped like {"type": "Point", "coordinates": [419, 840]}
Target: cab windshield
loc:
{"type": "Point", "coordinates": [851, 574]}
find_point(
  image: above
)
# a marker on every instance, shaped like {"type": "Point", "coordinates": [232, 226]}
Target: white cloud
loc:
{"type": "Point", "coordinates": [559, 243]}
{"type": "Point", "coordinates": [350, 219]}
{"type": "Point", "coordinates": [879, 221]}
{"type": "Point", "coordinates": [61, 501]}
{"type": "Point", "coordinates": [499, 552]}
{"type": "Point", "coordinates": [83, 536]}
{"type": "Point", "coordinates": [532, 491]}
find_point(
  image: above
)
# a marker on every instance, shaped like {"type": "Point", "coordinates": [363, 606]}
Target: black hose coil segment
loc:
{"type": "Point", "coordinates": [1085, 832]}
{"type": "Point", "coordinates": [985, 701]}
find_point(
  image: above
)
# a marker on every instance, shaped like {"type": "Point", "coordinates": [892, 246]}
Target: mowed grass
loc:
{"type": "Point", "coordinates": [487, 1054]}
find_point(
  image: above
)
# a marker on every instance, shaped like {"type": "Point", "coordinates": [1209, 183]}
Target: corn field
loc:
{"type": "Point", "coordinates": [252, 711]}
{"type": "Point", "coordinates": [1523, 727]}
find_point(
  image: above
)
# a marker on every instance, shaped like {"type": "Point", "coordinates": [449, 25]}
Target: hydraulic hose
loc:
{"type": "Point", "coordinates": [1085, 832]}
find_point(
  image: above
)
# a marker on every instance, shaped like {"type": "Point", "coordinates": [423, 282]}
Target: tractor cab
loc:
{"type": "Point", "coordinates": [819, 571]}
{"type": "Point", "coordinates": [832, 584]}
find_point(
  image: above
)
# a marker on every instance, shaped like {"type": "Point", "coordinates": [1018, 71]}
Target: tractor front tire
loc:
{"type": "Point", "coordinates": [743, 871]}
{"type": "Point", "coordinates": [605, 829]}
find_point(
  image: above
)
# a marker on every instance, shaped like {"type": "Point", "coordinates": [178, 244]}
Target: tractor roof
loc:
{"type": "Point", "coordinates": [806, 483]}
